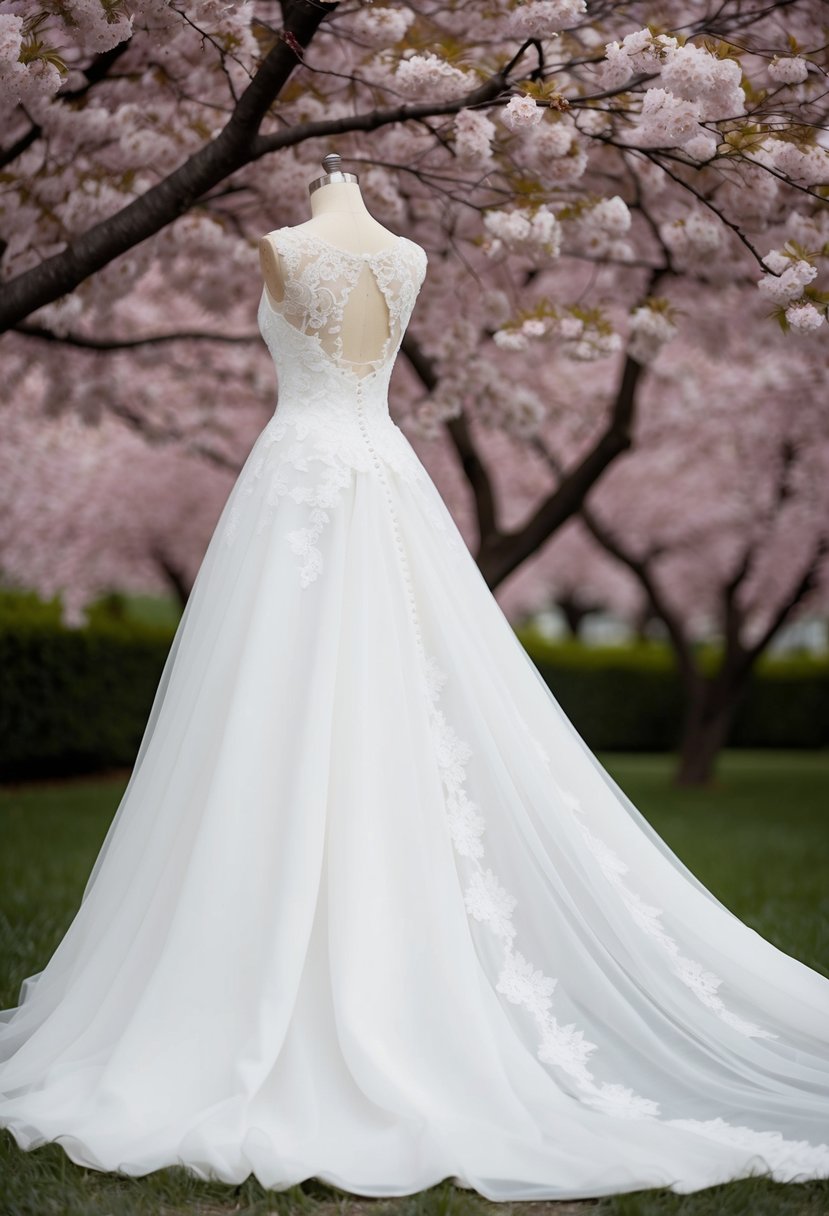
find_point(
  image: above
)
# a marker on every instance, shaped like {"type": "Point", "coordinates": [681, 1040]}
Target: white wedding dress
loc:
{"type": "Point", "coordinates": [369, 909]}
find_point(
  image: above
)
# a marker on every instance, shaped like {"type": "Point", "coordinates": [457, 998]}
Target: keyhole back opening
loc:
{"type": "Point", "coordinates": [364, 333]}
{"type": "Point", "coordinates": [352, 305]}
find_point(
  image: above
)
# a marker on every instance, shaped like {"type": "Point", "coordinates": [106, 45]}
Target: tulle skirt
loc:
{"type": "Point", "coordinates": [370, 911]}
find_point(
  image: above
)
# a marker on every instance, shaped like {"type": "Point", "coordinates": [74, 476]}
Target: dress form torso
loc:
{"type": "Point", "coordinates": [340, 218]}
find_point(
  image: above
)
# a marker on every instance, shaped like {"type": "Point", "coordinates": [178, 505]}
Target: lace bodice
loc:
{"type": "Point", "coordinates": [332, 414]}
{"type": "Point", "coordinates": [304, 331]}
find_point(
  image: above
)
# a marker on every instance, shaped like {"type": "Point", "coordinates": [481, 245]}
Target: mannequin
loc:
{"type": "Point", "coordinates": [341, 218]}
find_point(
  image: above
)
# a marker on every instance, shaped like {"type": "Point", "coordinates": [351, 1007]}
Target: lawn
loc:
{"type": "Point", "coordinates": [758, 839]}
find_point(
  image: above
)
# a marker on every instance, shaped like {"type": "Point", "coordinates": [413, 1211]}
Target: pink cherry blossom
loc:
{"type": "Point", "coordinates": [474, 133]}
{"type": "Point", "coordinates": [701, 147]}
{"type": "Point", "coordinates": [381, 26]}
{"type": "Point", "coordinates": [640, 51]}
{"type": "Point", "coordinates": [793, 70]}
{"type": "Point", "coordinates": [804, 318]}
{"type": "Point", "coordinates": [429, 74]}
{"type": "Point", "coordinates": [650, 329]}
{"type": "Point", "coordinates": [521, 112]}
{"type": "Point", "coordinates": [536, 232]}
{"type": "Point", "coordinates": [667, 120]}
{"type": "Point", "coordinates": [544, 18]}
{"type": "Point", "coordinates": [790, 283]}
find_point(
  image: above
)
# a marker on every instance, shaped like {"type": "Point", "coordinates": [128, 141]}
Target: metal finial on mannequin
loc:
{"type": "Point", "coordinates": [333, 173]}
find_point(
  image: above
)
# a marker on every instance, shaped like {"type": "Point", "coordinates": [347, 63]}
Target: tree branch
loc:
{"type": "Point", "coordinates": [505, 552]}
{"type": "Point", "coordinates": [115, 344]}
{"type": "Point", "coordinates": [733, 615]}
{"type": "Point", "coordinates": [161, 204]}
{"type": "Point", "coordinates": [171, 434]}
{"type": "Point", "coordinates": [499, 553]}
{"type": "Point", "coordinates": [473, 467]}
{"type": "Point", "coordinates": [807, 582]}
{"type": "Point", "coordinates": [641, 569]}
{"type": "Point", "coordinates": [373, 119]}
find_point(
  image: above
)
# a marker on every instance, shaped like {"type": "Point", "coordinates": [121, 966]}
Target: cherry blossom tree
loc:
{"type": "Point", "coordinates": [586, 179]}
{"type": "Point", "coordinates": [717, 523]}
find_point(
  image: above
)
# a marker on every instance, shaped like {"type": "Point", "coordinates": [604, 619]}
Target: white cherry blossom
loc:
{"type": "Point", "coordinates": [788, 70]}
{"type": "Point", "coordinates": [783, 288]}
{"type": "Point", "coordinates": [804, 318]}
{"type": "Point", "coordinates": [650, 329]}
{"type": "Point", "coordinates": [474, 135]}
{"type": "Point", "coordinates": [427, 73]}
{"type": "Point", "coordinates": [544, 18]}
{"type": "Point", "coordinates": [381, 27]}
{"type": "Point", "coordinates": [520, 112]}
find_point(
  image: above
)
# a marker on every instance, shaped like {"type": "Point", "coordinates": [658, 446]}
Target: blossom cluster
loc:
{"type": "Point", "coordinates": [786, 287]}
{"type": "Point", "coordinates": [522, 230]}
{"type": "Point", "coordinates": [429, 75]}
{"type": "Point", "coordinates": [554, 150]}
{"type": "Point", "coordinates": [650, 329]}
{"type": "Point", "coordinates": [474, 135]}
{"type": "Point", "coordinates": [99, 27]}
{"type": "Point", "coordinates": [598, 229]}
{"type": "Point", "coordinates": [586, 339]}
{"type": "Point", "coordinates": [544, 18]}
{"type": "Point", "coordinates": [22, 82]}
{"type": "Point", "coordinates": [804, 163]}
{"type": "Point", "coordinates": [789, 70]}
{"type": "Point", "coordinates": [640, 52]}
{"type": "Point", "coordinates": [694, 87]}
{"type": "Point", "coordinates": [381, 27]}
{"type": "Point", "coordinates": [521, 112]}
{"type": "Point", "coordinates": [692, 237]}
{"type": "Point", "coordinates": [583, 337]}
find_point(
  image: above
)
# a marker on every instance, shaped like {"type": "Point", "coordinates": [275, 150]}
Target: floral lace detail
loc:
{"type": "Point", "coordinates": [523, 984]}
{"type": "Point", "coordinates": [316, 440]}
{"type": "Point", "coordinates": [323, 497]}
{"type": "Point", "coordinates": [486, 900]}
{"type": "Point", "coordinates": [704, 984]}
{"type": "Point", "coordinates": [320, 278]}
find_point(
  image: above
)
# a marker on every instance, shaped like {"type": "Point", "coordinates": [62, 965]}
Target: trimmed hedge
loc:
{"type": "Point", "coordinates": [630, 698]}
{"type": "Point", "coordinates": [77, 700]}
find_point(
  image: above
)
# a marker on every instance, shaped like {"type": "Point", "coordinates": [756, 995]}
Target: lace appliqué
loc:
{"type": "Point", "coordinates": [486, 900]}
{"type": "Point", "coordinates": [318, 284]}
{"type": "Point", "coordinates": [565, 1047]}
{"type": "Point", "coordinates": [704, 984]}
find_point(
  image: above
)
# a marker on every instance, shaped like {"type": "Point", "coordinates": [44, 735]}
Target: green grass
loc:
{"type": "Point", "coordinates": [758, 839]}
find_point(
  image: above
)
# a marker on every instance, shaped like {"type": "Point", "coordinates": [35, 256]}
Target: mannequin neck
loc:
{"type": "Point", "coordinates": [338, 198]}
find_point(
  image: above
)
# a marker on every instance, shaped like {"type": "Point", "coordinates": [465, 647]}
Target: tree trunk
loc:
{"type": "Point", "coordinates": [706, 729]}
{"type": "Point", "coordinates": [574, 612]}
{"type": "Point", "coordinates": [180, 584]}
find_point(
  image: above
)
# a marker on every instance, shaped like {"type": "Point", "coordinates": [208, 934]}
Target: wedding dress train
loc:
{"type": "Point", "coordinates": [369, 909]}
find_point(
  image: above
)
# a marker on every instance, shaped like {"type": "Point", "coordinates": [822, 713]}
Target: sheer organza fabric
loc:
{"type": "Point", "coordinates": [369, 909]}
